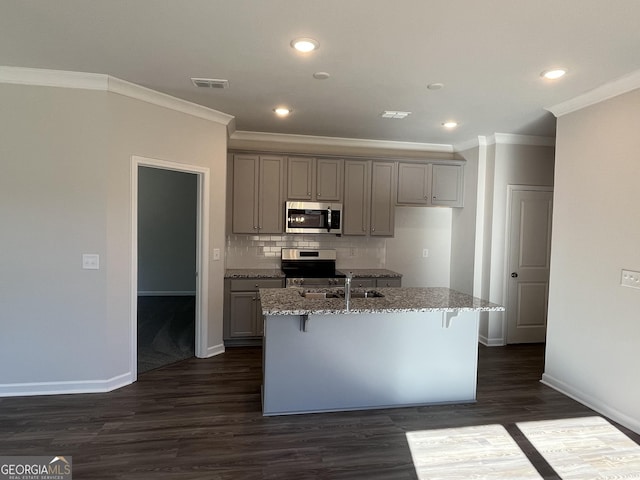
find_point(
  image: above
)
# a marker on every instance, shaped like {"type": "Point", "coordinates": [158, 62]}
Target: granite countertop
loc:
{"type": "Point", "coordinates": [277, 273]}
{"type": "Point", "coordinates": [371, 272]}
{"type": "Point", "coordinates": [288, 301]}
{"type": "Point", "coordinates": [253, 273]}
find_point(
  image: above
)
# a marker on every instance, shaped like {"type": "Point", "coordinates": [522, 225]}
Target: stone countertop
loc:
{"type": "Point", "coordinates": [277, 273]}
{"type": "Point", "coordinates": [371, 272]}
{"type": "Point", "coordinates": [288, 301]}
{"type": "Point", "coordinates": [253, 273]}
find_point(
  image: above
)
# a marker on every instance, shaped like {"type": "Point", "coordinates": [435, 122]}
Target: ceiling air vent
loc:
{"type": "Point", "coordinates": [210, 82]}
{"type": "Point", "coordinates": [394, 114]}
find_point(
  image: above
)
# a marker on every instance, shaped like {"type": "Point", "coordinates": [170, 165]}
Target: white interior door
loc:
{"type": "Point", "coordinates": [528, 260]}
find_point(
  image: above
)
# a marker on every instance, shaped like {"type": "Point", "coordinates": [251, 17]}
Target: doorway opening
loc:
{"type": "Point", "coordinates": [167, 226]}
{"type": "Point", "coordinates": [169, 263]}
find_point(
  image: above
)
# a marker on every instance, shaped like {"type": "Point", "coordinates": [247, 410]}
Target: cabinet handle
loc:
{"type": "Point", "coordinates": [373, 229]}
{"type": "Point", "coordinates": [309, 193]}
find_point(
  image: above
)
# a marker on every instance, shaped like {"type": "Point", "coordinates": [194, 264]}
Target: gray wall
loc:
{"type": "Point", "coordinates": [594, 323]}
{"type": "Point", "coordinates": [167, 204]}
{"type": "Point", "coordinates": [65, 189]}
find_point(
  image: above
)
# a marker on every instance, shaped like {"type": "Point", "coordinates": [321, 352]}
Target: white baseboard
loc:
{"type": "Point", "coordinates": [591, 402]}
{"type": "Point", "coordinates": [167, 293]}
{"type": "Point", "coordinates": [491, 342]}
{"type": "Point", "coordinates": [61, 388]}
{"type": "Point", "coordinates": [215, 350]}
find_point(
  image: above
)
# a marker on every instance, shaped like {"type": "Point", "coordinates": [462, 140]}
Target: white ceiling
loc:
{"type": "Point", "coordinates": [381, 55]}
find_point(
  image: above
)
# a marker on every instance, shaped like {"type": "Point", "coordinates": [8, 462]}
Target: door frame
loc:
{"type": "Point", "coordinates": [202, 253]}
{"type": "Point", "coordinates": [507, 249]}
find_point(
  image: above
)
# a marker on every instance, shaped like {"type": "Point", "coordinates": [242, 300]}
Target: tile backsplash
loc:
{"type": "Point", "coordinates": [263, 251]}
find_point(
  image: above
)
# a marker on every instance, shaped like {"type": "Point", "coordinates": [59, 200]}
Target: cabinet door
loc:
{"type": "Point", "coordinates": [355, 210]}
{"type": "Point", "coordinates": [389, 282]}
{"type": "Point", "coordinates": [413, 184]}
{"type": "Point", "coordinates": [242, 314]}
{"type": "Point", "coordinates": [447, 185]}
{"type": "Point", "coordinates": [271, 196]}
{"type": "Point", "coordinates": [363, 282]}
{"type": "Point", "coordinates": [383, 189]}
{"type": "Point", "coordinates": [299, 178]}
{"type": "Point", "coordinates": [245, 194]}
{"type": "Point", "coordinates": [329, 179]}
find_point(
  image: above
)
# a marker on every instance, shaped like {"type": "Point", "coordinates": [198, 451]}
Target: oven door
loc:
{"type": "Point", "coordinates": [312, 217]}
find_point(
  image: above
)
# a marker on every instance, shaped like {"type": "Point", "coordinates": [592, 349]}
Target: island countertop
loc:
{"type": "Point", "coordinates": [289, 301]}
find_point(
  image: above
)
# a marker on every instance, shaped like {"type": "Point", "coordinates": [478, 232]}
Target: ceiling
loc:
{"type": "Point", "coordinates": [380, 55]}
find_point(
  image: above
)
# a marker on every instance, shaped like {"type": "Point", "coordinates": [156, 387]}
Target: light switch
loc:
{"type": "Point", "coordinates": [90, 261]}
{"type": "Point", "coordinates": [216, 254]}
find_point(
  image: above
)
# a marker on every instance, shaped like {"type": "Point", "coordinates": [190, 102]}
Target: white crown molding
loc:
{"type": "Point", "coordinates": [311, 140]}
{"type": "Point", "coordinates": [513, 139]}
{"type": "Point", "coordinates": [469, 144]}
{"type": "Point", "coordinates": [97, 81]}
{"type": "Point", "coordinates": [599, 94]}
{"type": "Point", "coordinates": [506, 139]}
{"type": "Point", "coordinates": [53, 78]}
{"type": "Point", "coordinates": [138, 92]}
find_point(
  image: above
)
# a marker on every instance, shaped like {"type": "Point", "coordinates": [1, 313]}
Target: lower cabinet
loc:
{"type": "Point", "coordinates": [243, 323]}
{"type": "Point", "coordinates": [367, 282]}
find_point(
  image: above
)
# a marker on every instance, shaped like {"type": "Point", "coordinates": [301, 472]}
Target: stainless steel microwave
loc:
{"type": "Point", "coordinates": [313, 217]}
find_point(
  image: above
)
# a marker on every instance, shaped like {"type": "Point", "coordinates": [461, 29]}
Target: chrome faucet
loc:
{"type": "Point", "coordinates": [347, 289]}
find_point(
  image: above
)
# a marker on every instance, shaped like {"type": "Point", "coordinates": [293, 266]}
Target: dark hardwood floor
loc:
{"type": "Point", "coordinates": [201, 419]}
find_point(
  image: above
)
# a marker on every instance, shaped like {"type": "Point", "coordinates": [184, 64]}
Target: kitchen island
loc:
{"type": "Point", "coordinates": [397, 347]}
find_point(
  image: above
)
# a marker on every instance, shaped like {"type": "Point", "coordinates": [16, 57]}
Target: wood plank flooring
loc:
{"type": "Point", "coordinates": [201, 419]}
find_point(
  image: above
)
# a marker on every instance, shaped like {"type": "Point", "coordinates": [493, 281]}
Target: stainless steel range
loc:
{"type": "Point", "coordinates": [311, 268]}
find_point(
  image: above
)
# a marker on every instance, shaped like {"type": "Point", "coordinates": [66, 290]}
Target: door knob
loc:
{"type": "Point", "coordinates": [514, 275]}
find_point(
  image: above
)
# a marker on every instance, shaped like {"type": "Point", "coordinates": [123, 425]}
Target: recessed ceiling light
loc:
{"type": "Point", "coordinates": [282, 111]}
{"type": "Point", "coordinates": [394, 114]}
{"type": "Point", "coordinates": [305, 45]}
{"type": "Point", "coordinates": [554, 73]}
{"type": "Point", "coordinates": [321, 75]}
{"type": "Point", "coordinates": [450, 124]}
{"type": "Point", "coordinates": [435, 86]}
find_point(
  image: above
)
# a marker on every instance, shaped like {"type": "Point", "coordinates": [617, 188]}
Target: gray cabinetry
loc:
{"type": "Point", "coordinates": [369, 198]}
{"type": "Point", "coordinates": [446, 185]}
{"type": "Point", "coordinates": [357, 195]}
{"type": "Point", "coordinates": [383, 190]}
{"type": "Point", "coordinates": [366, 282]}
{"type": "Point", "coordinates": [413, 184]}
{"type": "Point", "coordinates": [258, 194]}
{"type": "Point", "coordinates": [315, 179]}
{"type": "Point", "coordinates": [243, 323]}
{"type": "Point", "coordinates": [430, 184]}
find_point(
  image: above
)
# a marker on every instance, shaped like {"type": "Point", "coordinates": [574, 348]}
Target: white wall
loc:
{"type": "Point", "coordinates": [417, 228]}
{"type": "Point", "coordinates": [463, 227]}
{"type": "Point", "coordinates": [593, 335]}
{"type": "Point", "coordinates": [65, 190]}
{"type": "Point", "coordinates": [513, 165]}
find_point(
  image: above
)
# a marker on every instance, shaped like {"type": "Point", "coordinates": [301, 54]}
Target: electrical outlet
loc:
{"type": "Point", "coordinates": [352, 252]}
{"type": "Point", "coordinates": [630, 279]}
{"type": "Point", "coordinates": [90, 261]}
{"type": "Point", "coordinates": [425, 252]}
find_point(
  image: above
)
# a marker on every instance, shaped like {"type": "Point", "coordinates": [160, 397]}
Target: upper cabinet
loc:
{"type": "Point", "coordinates": [369, 198]}
{"type": "Point", "coordinates": [315, 179]}
{"type": "Point", "coordinates": [383, 193]}
{"type": "Point", "coordinates": [447, 185]}
{"type": "Point", "coordinates": [357, 197]}
{"type": "Point", "coordinates": [430, 184]}
{"type": "Point", "coordinates": [258, 193]}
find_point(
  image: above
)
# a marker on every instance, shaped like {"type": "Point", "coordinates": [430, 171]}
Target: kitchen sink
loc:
{"type": "Point", "coordinates": [355, 293]}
